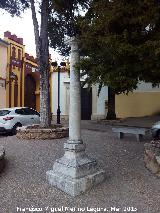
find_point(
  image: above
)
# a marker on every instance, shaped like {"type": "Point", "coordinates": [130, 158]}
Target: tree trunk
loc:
{"type": "Point", "coordinates": [42, 51]}
{"type": "Point", "coordinates": [45, 120]}
{"type": "Point", "coordinates": [111, 115]}
{"type": "Point", "coordinates": [36, 29]}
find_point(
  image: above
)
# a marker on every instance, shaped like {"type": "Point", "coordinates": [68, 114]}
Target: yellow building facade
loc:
{"type": "Point", "coordinates": [144, 101]}
{"type": "Point", "coordinates": [22, 76]}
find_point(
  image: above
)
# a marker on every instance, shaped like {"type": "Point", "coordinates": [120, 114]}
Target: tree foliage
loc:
{"type": "Point", "coordinates": [14, 7]}
{"type": "Point", "coordinates": [63, 22]}
{"type": "Point", "coordinates": [120, 43]}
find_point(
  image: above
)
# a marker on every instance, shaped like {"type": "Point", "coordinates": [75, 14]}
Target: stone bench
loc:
{"type": "Point", "coordinates": [138, 131]}
{"type": "Point", "coordinates": [2, 161]}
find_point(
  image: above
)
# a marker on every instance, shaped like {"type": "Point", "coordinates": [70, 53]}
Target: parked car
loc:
{"type": "Point", "coordinates": [155, 130]}
{"type": "Point", "coordinates": [11, 118]}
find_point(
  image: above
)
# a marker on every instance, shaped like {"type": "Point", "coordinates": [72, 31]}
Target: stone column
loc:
{"type": "Point", "coordinates": [75, 95]}
{"type": "Point", "coordinates": [94, 102]}
{"type": "Point", "coordinates": [75, 172]}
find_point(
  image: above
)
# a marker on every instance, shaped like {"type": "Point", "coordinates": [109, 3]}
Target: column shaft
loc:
{"type": "Point", "coordinates": [75, 95]}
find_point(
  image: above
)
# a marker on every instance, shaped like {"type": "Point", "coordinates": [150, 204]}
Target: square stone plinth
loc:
{"type": "Point", "coordinates": [75, 176]}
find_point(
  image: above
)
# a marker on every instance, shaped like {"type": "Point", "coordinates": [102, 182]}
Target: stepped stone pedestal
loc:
{"type": "Point", "coordinates": [75, 172]}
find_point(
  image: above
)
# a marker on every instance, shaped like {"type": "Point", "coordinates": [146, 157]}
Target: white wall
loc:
{"type": "Point", "coordinates": [103, 96]}
{"type": "Point", "coordinates": [64, 93]}
{"type": "Point", "coordinates": [145, 87]}
{"type": "Point", "coordinates": [98, 102]}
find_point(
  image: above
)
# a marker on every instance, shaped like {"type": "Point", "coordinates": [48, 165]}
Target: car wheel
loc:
{"type": "Point", "coordinates": [14, 129]}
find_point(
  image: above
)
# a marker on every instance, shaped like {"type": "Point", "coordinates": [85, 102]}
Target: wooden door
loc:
{"type": "Point", "coordinates": [15, 94]}
{"type": "Point", "coordinates": [86, 103]}
{"type": "Point", "coordinates": [30, 88]}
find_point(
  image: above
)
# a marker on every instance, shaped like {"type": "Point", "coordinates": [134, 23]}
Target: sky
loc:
{"type": "Point", "coordinates": [23, 28]}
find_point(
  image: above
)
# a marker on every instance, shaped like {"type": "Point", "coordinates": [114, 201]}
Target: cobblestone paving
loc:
{"type": "Point", "coordinates": [128, 183]}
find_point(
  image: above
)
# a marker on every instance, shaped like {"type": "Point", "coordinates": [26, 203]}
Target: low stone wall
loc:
{"type": "Point", "coordinates": [2, 160]}
{"type": "Point", "coordinates": [98, 117]}
{"type": "Point", "coordinates": [63, 118]}
{"type": "Point", "coordinates": [30, 132]}
{"type": "Point", "coordinates": [152, 157]}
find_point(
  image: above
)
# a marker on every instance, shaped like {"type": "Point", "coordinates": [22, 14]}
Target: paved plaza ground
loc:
{"type": "Point", "coordinates": [128, 182]}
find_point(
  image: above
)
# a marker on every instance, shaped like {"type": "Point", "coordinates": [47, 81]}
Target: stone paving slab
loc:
{"type": "Point", "coordinates": [128, 183]}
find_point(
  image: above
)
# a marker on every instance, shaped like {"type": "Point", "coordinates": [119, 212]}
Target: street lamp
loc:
{"type": "Point", "coordinates": [62, 64]}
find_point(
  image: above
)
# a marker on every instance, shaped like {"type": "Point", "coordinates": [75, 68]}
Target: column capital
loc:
{"type": "Point", "coordinates": [73, 42]}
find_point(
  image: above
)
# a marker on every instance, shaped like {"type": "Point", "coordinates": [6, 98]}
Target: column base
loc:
{"type": "Point", "coordinates": [75, 173]}
{"type": "Point", "coordinates": [72, 186]}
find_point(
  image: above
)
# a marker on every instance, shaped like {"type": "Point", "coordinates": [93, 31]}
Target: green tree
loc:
{"type": "Point", "coordinates": [14, 7]}
{"type": "Point", "coordinates": [57, 21]}
{"type": "Point", "coordinates": [120, 43]}
{"type": "Point", "coordinates": [63, 22]}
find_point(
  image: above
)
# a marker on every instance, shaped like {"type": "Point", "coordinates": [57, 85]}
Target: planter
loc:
{"type": "Point", "coordinates": [152, 157]}
{"type": "Point", "coordinates": [37, 132]}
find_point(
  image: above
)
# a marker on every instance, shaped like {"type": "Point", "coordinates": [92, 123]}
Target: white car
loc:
{"type": "Point", "coordinates": [11, 118]}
